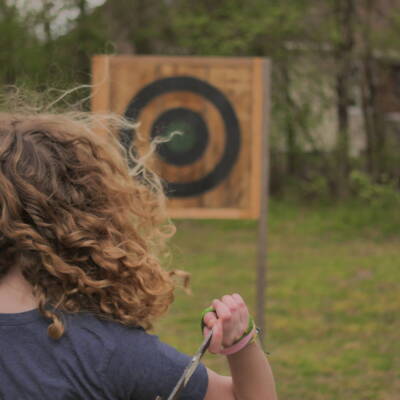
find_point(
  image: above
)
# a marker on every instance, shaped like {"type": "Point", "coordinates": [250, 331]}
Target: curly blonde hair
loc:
{"type": "Point", "coordinates": [83, 218]}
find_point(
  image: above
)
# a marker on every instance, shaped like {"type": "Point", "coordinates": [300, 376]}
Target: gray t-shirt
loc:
{"type": "Point", "coordinates": [95, 359]}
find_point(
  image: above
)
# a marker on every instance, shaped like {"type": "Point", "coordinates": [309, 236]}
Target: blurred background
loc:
{"type": "Point", "coordinates": [333, 295]}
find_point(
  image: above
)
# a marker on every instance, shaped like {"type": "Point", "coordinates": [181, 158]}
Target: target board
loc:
{"type": "Point", "coordinates": [215, 109]}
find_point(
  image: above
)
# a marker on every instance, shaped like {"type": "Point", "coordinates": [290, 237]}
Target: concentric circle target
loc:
{"type": "Point", "coordinates": [193, 133]}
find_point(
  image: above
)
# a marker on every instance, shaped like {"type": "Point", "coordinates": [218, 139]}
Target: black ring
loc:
{"type": "Point", "coordinates": [223, 105]}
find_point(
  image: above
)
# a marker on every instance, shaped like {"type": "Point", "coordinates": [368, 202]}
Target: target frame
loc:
{"type": "Point", "coordinates": [109, 77]}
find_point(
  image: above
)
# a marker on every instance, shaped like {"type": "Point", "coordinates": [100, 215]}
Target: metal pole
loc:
{"type": "Point", "coordinates": [262, 253]}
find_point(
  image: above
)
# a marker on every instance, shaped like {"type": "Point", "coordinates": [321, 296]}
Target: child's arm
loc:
{"type": "Point", "coordinates": [252, 377]}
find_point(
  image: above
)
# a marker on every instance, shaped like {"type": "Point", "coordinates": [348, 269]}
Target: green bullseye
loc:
{"type": "Point", "coordinates": [183, 138]}
{"type": "Point", "coordinates": [186, 132]}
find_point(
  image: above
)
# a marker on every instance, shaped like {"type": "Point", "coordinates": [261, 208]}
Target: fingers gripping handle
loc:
{"type": "Point", "coordinates": [248, 336]}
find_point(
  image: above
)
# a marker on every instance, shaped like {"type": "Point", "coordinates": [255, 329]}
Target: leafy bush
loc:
{"type": "Point", "coordinates": [377, 195]}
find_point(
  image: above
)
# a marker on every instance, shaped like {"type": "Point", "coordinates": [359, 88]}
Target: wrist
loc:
{"type": "Point", "coordinates": [240, 344]}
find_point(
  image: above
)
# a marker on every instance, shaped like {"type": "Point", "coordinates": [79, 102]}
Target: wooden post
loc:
{"type": "Point", "coordinates": [262, 252]}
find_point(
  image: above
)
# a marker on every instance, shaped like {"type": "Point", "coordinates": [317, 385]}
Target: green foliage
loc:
{"type": "Point", "coordinates": [144, 27]}
{"type": "Point", "coordinates": [21, 55]}
{"type": "Point", "coordinates": [231, 28]}
{"type": "Point", "coordinates": [34, 56]}
{"type": "Point", "coordinates": [314, 189]}
{"type": "Point", "coordinates": [305, 39]}
{"type": "Point", "coordinates": [377, 195]}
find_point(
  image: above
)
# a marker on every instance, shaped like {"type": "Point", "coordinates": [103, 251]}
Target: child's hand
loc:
{"type": "Point", "coordinates": [229, 321]}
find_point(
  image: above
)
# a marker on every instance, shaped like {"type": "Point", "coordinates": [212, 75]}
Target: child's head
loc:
{"type": "Point", "coordinates": [83, 228]}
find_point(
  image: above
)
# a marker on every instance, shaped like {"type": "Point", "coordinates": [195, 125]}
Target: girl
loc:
{"type": "Point", "coordinates": [81, 234]}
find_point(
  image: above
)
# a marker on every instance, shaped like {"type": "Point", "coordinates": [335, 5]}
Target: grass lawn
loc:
{"type": "Point", "coordinates": [333, 300]}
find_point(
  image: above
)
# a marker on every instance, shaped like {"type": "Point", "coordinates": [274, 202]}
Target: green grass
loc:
{"type": "Point", "coordinates": [332, 303]}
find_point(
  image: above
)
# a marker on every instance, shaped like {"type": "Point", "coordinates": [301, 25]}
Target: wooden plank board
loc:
{"type": "Point", "coordinates": [239, 82]}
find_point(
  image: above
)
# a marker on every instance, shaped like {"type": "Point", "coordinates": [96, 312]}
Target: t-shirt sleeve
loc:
{"type": "Point", "coordinates": [141, 367]}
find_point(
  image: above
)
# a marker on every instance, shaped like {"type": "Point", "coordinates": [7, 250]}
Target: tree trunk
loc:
{"type": "Point", "coordinates": [345, 13]}
{"type": "Point", "coordinates": [83, 60]}
{"type": "Point", "coordinates": [368, 99]}
{"type": "Point", "coordinates": [47, 19]}
{"type": "Point", "coordinates": [375, 137]}
{"type": "Point", "coordinates": [291, 142]}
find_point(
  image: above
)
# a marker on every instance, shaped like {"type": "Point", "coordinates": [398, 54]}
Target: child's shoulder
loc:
{"type": "Point", "coordinates": [109, 335]}
{"type": "Point", "coordinates": [132, 362]}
